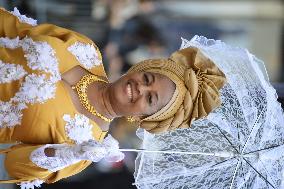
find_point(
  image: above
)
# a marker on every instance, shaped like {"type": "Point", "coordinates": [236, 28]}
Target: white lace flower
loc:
{"type": "Point", "coordinates": [35, 88]}
{"type": "Point", "coordinates": [10, 72]}
{"type": "Point", "coordinates": [10, 43]}
{"type": "Point", "coordinates": [40, 56]}
{"type": "Point", "coordinates": [10, 114]}
{"type": "Point", "coordinates": [86, 54]}
{"type": "Point", "coordinates": [32, 184]}
{"type": "Point", "coordinates": [23, 18]}
{"type": "Point", "coordinates": [78, 128]}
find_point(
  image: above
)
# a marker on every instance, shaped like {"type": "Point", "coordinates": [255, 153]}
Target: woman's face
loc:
{"type": "Point", "coordinates": [140, 93]}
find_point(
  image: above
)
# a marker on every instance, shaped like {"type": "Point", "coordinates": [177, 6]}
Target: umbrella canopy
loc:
{"type": "Point", "coordinates": [238, 145]}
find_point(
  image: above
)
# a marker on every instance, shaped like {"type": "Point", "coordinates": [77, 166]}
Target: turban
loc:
{"type": "Point", "coordinates": [197, 80]}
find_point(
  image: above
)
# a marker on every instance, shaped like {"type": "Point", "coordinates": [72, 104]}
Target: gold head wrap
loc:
{"type": "Point", "coordinates": [197, 81]}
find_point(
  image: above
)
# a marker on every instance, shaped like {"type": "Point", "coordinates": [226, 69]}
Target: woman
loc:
{"type": "Point", "coordinates": [55, 99]}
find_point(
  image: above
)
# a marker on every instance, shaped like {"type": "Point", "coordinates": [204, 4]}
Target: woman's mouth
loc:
{"type": "Point", "coordinates": [129, 92]}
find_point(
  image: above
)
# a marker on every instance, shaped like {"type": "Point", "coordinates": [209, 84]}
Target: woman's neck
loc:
{"type": "Point", "coordinates": [99, 98]}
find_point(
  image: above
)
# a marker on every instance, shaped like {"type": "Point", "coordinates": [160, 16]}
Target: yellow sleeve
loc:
{"type": "Point", "coordinates": [21, 168]}
{"type": "Point", "coordinates": [11, 27]}
{"type": "Point", "coordinates": [59, 38]}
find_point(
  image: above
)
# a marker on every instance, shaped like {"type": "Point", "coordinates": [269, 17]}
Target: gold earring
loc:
{"type": "Point", "coordinates": [131, 119]}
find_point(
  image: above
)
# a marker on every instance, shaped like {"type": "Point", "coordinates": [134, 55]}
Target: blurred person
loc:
{"type": "Point", "coordinates": [134, 36]}
{"type": "Point", "coordinates": [57, 103]}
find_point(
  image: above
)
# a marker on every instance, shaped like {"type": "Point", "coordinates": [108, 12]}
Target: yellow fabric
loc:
{"type": "Point", "coordinates": [197, 81]}
{"type": "Point", "coordinates": [41, 123]}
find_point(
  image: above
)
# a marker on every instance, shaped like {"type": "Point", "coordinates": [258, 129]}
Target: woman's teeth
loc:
{"type": "Point", "coordinates": [129, 92]}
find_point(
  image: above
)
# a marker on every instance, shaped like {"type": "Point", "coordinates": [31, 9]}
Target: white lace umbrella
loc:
{"type": "Point", "coordinates": [238, 145]}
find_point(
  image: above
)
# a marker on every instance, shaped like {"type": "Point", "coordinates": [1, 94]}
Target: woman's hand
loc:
{"type": "Point", "coordinates": [90, 150]}
{"type": "Point", "coordinates": [108, 149]}
{"type": "Point", "coordinates": [49, 152]}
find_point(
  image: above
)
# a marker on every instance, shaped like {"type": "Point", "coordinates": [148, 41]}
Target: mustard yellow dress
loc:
{"type": "Point", "coordinates": [35, 107]}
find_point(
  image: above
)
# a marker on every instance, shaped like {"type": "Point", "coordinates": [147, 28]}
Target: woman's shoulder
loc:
{"type": "Point", "coordinates": [70, 47]}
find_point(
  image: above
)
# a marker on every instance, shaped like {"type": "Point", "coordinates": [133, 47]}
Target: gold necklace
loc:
{"type": "Point", "coordinates": [81, 89]}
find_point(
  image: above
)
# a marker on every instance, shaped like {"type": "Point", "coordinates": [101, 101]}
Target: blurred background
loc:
{"type": "Point", "coordinates": [128, 31]}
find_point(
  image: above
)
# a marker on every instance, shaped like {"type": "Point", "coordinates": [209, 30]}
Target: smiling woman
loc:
{"type": "Point", "coordinates": [140, 93]}
{"type": "Point", "coordinates": [56, 100]}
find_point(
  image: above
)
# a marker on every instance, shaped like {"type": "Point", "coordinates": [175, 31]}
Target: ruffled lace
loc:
{"type": "Point", "coordinates": [32, 184]}
{"type": "Point", "coordinates": [87, 54]}
{"type": "Point", "coordinates": [23, 18]}
{"type": "Point", "coordinates": [112, 145]}
{"type": "Point", "coordinates": [10, 72]}
{"type": "Point", "coordinates": [78, 128]}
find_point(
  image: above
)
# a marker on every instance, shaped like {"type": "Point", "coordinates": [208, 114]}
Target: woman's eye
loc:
{"type": "Point", "coordinates": [146, 79]}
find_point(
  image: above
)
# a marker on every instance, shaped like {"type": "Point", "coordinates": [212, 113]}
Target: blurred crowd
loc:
{"type": "Point", "coordinates": [128, 31]}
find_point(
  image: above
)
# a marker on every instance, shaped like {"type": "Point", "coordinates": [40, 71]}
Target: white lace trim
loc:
{"type": "Point", "coordinates": [10, 72]}
{"type": "Point", "coordinates": [32, 184]}
{"type": "Point", "coordinates": [10, 43]}
{"type": "Point", "coordinates": [55, 163]}
{"type": "Point", "coordinates": [95, 151]}
{"type": "Point", "coordinates": [78, 128]}
{"type": "Point", "coordinates": [86, 54]}
{"type": "Point", "coordinates": [11, 114]}
{"type": "Point", "coordinates": [23, 18]}
{"type": "Point", "coordinates": [36, 88]}
{"type": "Point", "coordinates": [112, 146]}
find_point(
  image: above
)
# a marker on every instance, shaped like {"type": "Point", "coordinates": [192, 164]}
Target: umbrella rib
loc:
{"type": "Point", "coordinates": [140, 165]}
{"type": "Point", "coordinates": [235, 172]}
{"type": "Point", "coordinates": [271, 147]}
{"type": "Point", "coordinates": [258, 173]}
{"type": "Point", "coordinates": [267, 172]}
{"type": "Point", "coordinates": [227, 139]}
{"type": "Point", "coordinates": [255, 123]}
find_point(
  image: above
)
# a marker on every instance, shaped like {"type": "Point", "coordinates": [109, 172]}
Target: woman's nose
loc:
{"type": "Point", "coordinates": [142, 88]}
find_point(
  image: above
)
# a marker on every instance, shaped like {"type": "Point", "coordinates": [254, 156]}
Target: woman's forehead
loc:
{"type": "Point", "coordinates": [165, 87]}
{"type": "Point", "coordinates": [163, 78]}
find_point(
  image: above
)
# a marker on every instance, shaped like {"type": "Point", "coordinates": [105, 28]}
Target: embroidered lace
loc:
{"type": "Point", "coordinates": [10, 72]}
{"type": "Point", "coordinates": [36, 88]}
{"type": "Point", "coordinates": [78, 128]}
{"type": "Point", "coordinates": [23, 18]}
{"type": "Point", "coordinates": [32, 184]}
{"type": "Point", "coordinates": [86, 54]}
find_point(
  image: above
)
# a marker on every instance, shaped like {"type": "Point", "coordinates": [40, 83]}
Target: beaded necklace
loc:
{"type": "Point", "coordinates": [81, 89]}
